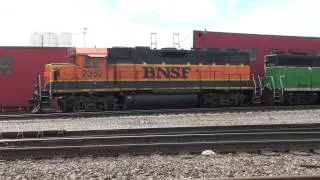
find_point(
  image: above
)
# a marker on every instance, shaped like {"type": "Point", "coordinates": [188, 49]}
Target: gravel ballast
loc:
{"type": "Point", "coordinates": [149, 121]}
{"type": "Point", "coordinates": [158, 166]}
{"type": "Point", "coordinates": [162, 167]}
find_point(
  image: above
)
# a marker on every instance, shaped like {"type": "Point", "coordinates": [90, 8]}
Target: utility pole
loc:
{"type": "Point", "coordinates": [154, 41]}
{"type": "Point", "coordinates": [176, 40]}
{"type": "Point", "coordinates": [42, 40]}
{"type": "Point", "coordinates": [84, 36]}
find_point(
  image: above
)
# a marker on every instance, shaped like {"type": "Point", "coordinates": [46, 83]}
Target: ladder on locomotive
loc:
{"type": "Point", "coordinates": [44, 98]}
{"type": "Point", "coordinates": [277, 92]}
{"type": "Point", "coordinates": [257, 96]}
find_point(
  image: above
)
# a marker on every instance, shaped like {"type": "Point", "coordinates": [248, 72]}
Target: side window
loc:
{"type": "Point", "coordinates": [267, 64]}
{"type": "Point", "coordinates": [295, 61]}
{"type": "Point", "coordinates": [56, 75]}
{"type": "Point", "coordinates": [5, 65]}
{"type": "Point", "coordinates": [252, 54]}
{"type": "Point", "coordinates": [91, 62]}
{"type": "Point", "coordinates": [271, 61]}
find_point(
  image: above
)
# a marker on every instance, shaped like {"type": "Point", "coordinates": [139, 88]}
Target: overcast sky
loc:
{"type": "Point", "coordinates": [130, 22]}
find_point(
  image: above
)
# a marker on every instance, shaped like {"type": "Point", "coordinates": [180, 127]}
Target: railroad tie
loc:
{"type": "Point", "coordinates": [40, 134]}
{"type": "Point", "coordinates": [60, 133]}
{"type": "Point", "coordinates": [20, 135]}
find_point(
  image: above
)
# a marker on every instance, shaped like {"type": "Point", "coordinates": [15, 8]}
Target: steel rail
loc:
{"type": "Point", "coordinates": [315, 177]}
{"type": "Point", "coordinates": [170, 142]}
{"type": "Point", "coordinates": [13, 153]}
{"type": "Point", "coordinates": [315, 127]}
{"type": "Point", "coordinates": [164, 138]}
{"type": "Point", "coordinates": [155, 112]}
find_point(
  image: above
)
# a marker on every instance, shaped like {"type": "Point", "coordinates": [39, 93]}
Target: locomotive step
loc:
{"type": "Point", "coordinates": [257, 100]}
{"type": "Point", "coordinates": [44, 93]}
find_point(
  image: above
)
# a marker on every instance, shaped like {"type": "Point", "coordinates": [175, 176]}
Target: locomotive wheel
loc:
{"type": "Point", "coordinates": [236, 100]}
{"type": "Point", "coordinates": [65, 105]}
{"type": "Point", "coordinates": [314, 98]}
{"type": "Point", "coordinates": [292, 100]}
{"type": "Point", "coordinates": [109, 103]}
{"type": "Point", "coordinates": [301, 98]}
{"type": "Point", "coordinates": [243, 100]}
{"type": "Point", "coordinates": [64, 108]}
{"type": "Point", "coordinates": [208, 100]}
{"type": "Point", "coordinates": [123, 102]}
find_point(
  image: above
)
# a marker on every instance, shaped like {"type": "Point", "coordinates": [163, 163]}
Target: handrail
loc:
{"type": "Point", "coordinates": [260, 83]}
{"type": "Point", "coordinates": [255, 85]}
{"type": "Point", "coordinates": [273, 86]}
{"type": "Point", "coordinates": [281, 84]}
{"type": "Point", "coordinates": [50, 85]}
{"type": "Point", "coordinates": [39, 84]}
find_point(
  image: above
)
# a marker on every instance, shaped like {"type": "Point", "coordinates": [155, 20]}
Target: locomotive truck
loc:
{"type": "Point", "coordinates": [106, 79]}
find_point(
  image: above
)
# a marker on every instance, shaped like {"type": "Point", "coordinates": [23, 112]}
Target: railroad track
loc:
{"type": "Point", "coordinates": [154, 112]}
{"type": "Point", "coordinates": [273, 178]}
{"type": "Point", "coordinates": [253, 138]}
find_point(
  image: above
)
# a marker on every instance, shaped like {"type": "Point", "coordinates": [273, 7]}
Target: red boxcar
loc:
{"type": "Point", "coordinates": [19, 67]}
{"type": "Point", "coordinates": [257, 45]}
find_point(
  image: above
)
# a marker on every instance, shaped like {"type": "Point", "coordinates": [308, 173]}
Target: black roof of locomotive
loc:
{"type": "Point", "coordinates": [293, 59]}
{"type": "Point", "coordinates": [146, 55]}
{"type": "Point", "coordinates": [296, 54]}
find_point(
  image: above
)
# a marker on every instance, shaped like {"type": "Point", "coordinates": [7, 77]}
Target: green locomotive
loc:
{"type": "Point", "coordinates": [291, 79]}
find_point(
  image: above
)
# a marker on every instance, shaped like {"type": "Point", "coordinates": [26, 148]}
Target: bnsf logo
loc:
{"type": "Point", "coordinates": [166, 72]}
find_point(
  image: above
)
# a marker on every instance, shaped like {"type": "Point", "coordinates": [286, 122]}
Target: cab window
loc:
{"type": "Point", "coordinates": [271, 61]}
{"type": "Point", "coordinates": [56, 74]}
{"type": "Point", "coordinates": [91, 62]}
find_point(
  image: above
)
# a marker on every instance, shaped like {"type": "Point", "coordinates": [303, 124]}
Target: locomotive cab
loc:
{"type": "Point", "coordinates": [87, 64]}
{"type": "Point", "coordinates": [58, 72]}
{"type": "Point", "coordinates": [91, 67]}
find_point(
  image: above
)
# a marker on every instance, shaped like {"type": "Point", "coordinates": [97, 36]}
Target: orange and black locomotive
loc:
{"type": "Point", "coordinates": [104, 79]}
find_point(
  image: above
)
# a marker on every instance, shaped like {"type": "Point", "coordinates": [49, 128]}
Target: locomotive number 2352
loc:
{"type": "Point", "coordinates": [89, 73]}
